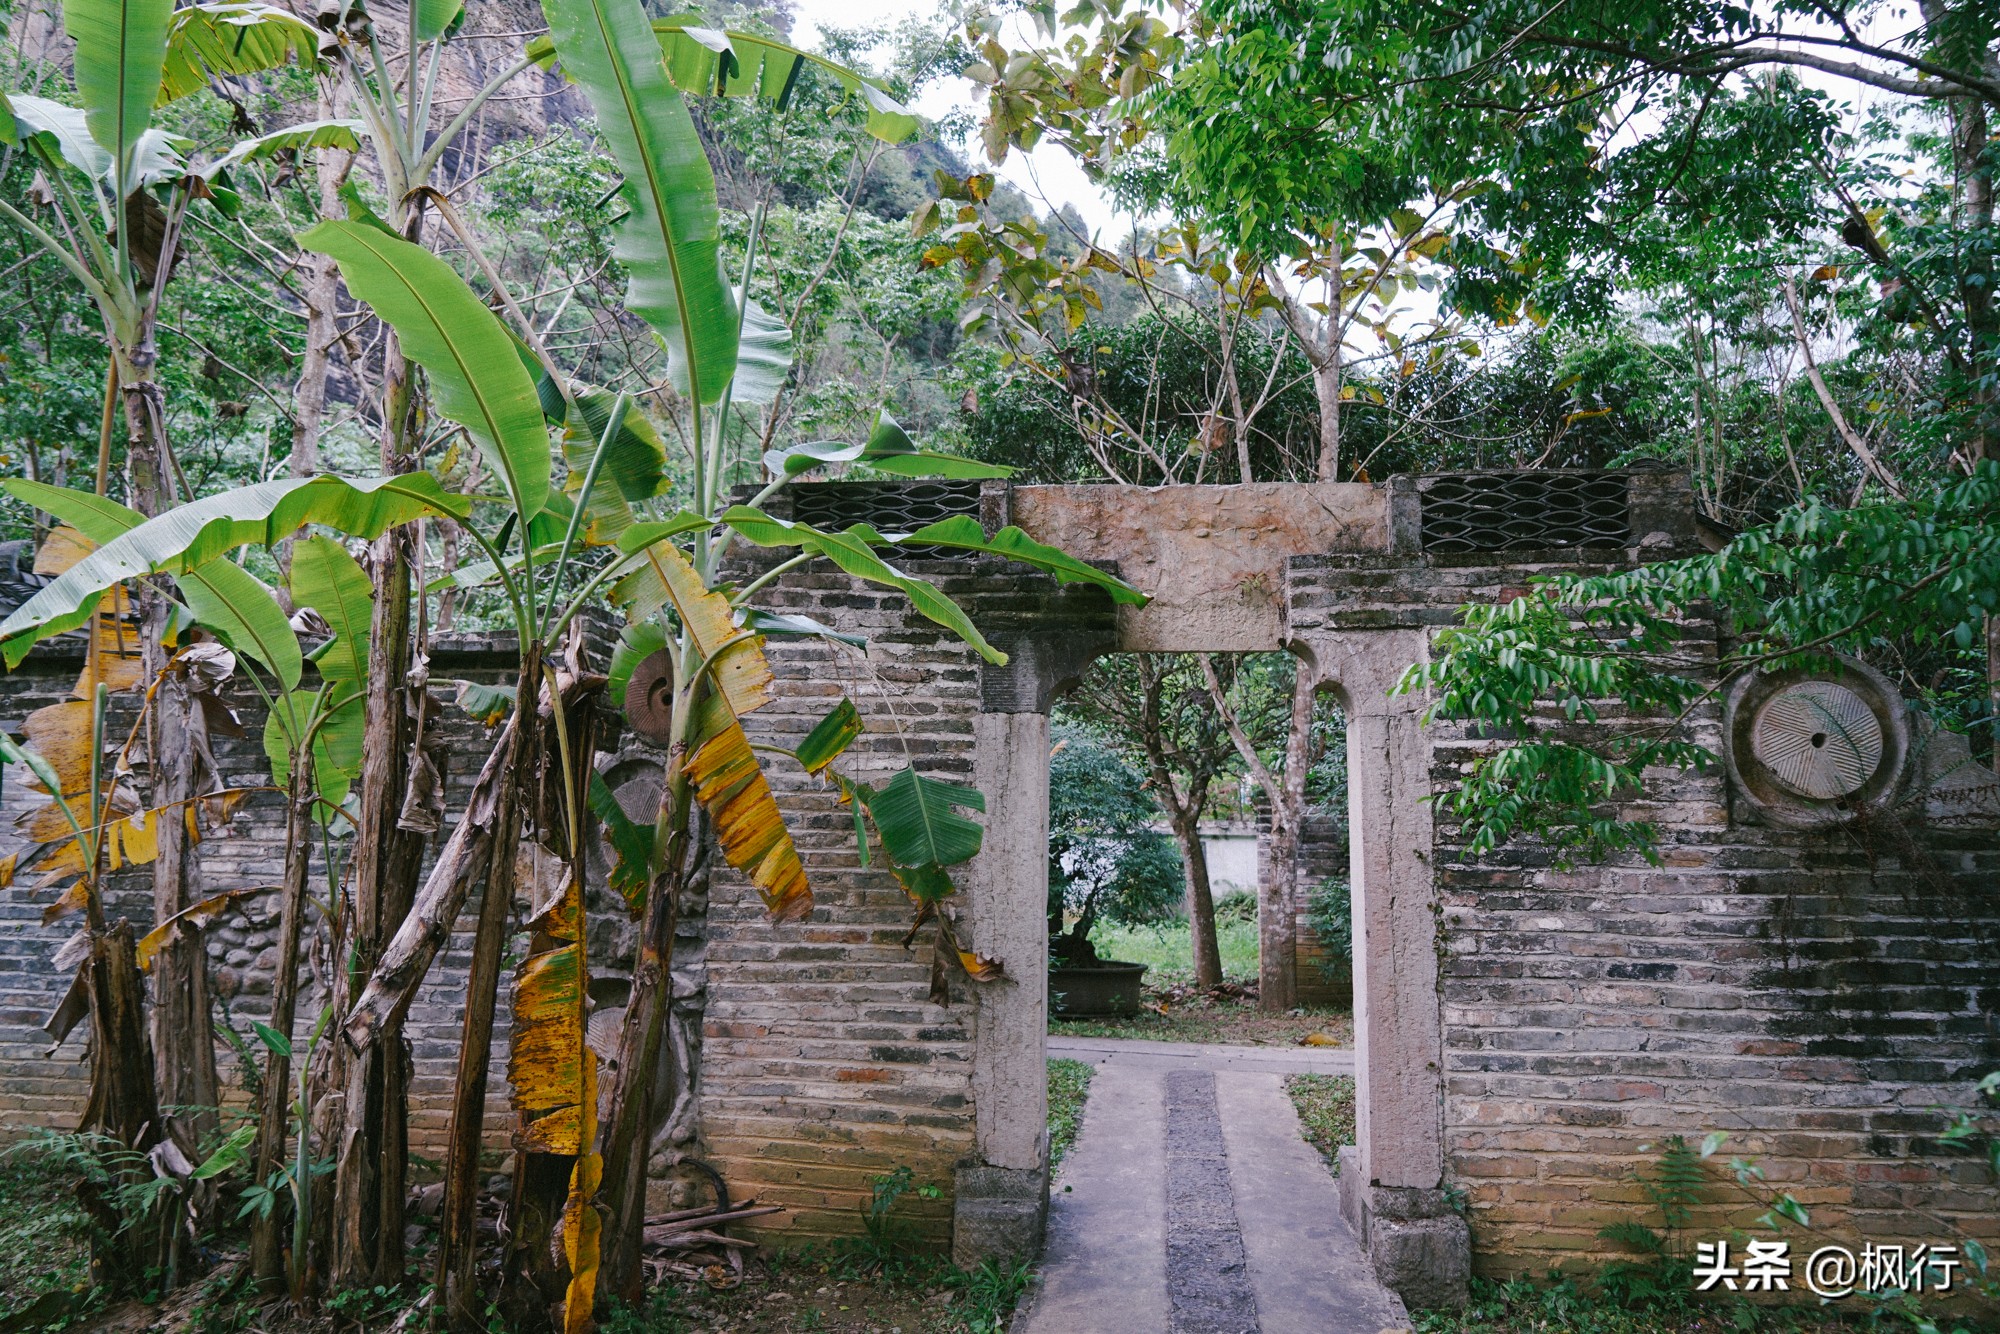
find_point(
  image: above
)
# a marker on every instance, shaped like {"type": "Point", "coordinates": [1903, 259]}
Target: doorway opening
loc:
{"type": "Point", "coordinates": [1197, 853]}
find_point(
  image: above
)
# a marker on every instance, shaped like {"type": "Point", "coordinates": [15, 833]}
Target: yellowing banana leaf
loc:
{"type": "Point", "coordinates": [553, 1070]}
{"type": "Point", "coordinates": [196, 914]}
{"type": "Point", "coordinates": [240, 38]}
{"type": "Point", "coordinates": [190, 535]}
{"type": "Point", "coordinates": [670, 237]}
{"type": "Point", "coordinates": [221, 595]}
{"type": "Point", "coordinates": [113, 655]}
{"type": "Point", "coordinates": [61, 734]}
{"type": "Point", "coordinates": [734, 654]}
{"type": "Point", "coordinates": [131, 840]}
{"type": "Point", "coordinates": [748, 826]}
{"type": "Point", "coordinates": [476, 377]}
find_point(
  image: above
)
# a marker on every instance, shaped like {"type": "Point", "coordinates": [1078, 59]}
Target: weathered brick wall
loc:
{"type": "Point", "coordinates": [825, 1062]}
{"type": "Point", "coordinates": [1324, 977]}
{"type": "Point", "coordinates": [1818, 996]}
{"type": "Point", "coordinates": [44, 1088]}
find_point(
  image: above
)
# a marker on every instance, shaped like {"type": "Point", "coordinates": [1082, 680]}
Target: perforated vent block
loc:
{"type": "Point", "coordinates": [892, 507]}
{"type": "Point", "coordinates": [1511, 511]}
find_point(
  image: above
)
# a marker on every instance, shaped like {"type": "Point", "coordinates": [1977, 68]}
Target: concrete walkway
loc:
{"type": "Point", "coordinates": [1191, 1205]}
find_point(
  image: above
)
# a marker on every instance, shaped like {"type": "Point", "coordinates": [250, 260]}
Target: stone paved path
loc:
{"type": "Point", "coordinates": [1190, 1204]}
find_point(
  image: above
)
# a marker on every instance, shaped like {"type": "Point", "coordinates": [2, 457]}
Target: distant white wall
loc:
{"type": "Point", "coordinates": [1232, 858]}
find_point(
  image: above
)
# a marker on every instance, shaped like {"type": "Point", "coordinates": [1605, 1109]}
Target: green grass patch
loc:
{"type": "Point", "coordinates": [1325, 1105]}
{"type": "Point", "coordinates": [1167, 950]}
{"type": "Point", "coordinates": [1566, 1306]}
{"type": "Point", "coordinates": [1069, 1085]}
{"type": "Point", "coordinates": [44, 1233]}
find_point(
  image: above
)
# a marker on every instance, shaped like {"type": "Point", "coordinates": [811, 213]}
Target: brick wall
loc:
{"type": "Point", "coordinates": [1818, 996]}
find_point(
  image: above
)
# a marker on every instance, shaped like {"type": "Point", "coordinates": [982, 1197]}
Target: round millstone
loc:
{"type": "Point", "coordinates": [1818, 739]}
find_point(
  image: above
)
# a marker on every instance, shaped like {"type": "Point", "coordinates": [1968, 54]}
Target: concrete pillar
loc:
{"type": "Point", "coordinates": [1391, 1181]}
{"type": "Point", "coordinates": [1001, 1203]}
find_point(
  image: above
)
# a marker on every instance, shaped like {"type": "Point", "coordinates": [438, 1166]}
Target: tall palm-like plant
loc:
{"type": "Point", "coordinates": [120, 193]}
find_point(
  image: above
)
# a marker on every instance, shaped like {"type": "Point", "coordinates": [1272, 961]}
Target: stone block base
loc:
{"type": "Point", "coordinates": [1419, 1245]}
{"type": "Point", "coordinates": [998, 1213]}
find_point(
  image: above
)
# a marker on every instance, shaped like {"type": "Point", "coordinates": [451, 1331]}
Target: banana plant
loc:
{"type": "Point", "coordinates": [120, 189]}
{"type": "Point", "coordinates": [567, 527]}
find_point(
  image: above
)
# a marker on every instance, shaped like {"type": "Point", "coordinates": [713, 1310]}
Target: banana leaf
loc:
{"type": "Point", "coordinates": [190, 535]}
{"type": "Point", "coordinates": [670, 237]}
{"type": "Point", "coordinates": [120, 61]}
{"type": "Point", "coordinates": [712, 63]}
{"type": "Point", "coordinates": [239, 38]}
{"type": "Point", "coordinates": [476, 378]}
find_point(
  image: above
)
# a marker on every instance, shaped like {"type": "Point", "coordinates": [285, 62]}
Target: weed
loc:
{"type": "Point", "coordinates": [1069, 1085]}
{"type": "Point", "coordinates": [1325, 1105]}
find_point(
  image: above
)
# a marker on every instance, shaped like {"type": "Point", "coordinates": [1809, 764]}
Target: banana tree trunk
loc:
{"type": "Point", "coordinates": [267, 1257]}
{"type": "Point", "coordinates": [183, 1026]}
{"type": "Point", "coordinates": [628, 1130]}
{"type": "Point", "coordinates": [123, 1103]}
{"type": "Point", "coordinates": [458, 1247]}
{"type": "Point", "coordinates": [373, 1145]}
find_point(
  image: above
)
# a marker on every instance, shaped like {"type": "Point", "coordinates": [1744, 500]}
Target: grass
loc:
{"type": "Point", "coordinates": [1167, 950]}
{"type": "Point", "coordinates": [44, 1234]}
{"type": "Point", "coordinates": [835, 1290]}
{"type": "Point", "coordinates": [1564, 1306]}
{"type": "Point", "coordinates": [1177, 1012]}
{"type": "Point", "coordinates": [1069, 1085]}
{"type": "Point", "coordinates": [1325, 1104]}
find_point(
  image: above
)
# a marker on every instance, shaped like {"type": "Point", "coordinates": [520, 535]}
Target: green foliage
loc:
{"type": "Point", "coordinates": [1325, 1104]}
{"type": "Point", "coordinates": [44, 1231]}
{"type": "Point", "coordinates": [1104, 858]}
{"type": "Point", "coordinates": [1069, 1086]}
{"type": "Point", "coordinates": [1330, 914]}
{"type": "Point", "coordinates": [1818, 580]}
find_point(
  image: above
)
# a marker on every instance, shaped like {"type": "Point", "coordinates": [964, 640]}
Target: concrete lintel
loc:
{"type": "Point", "coordinates": [1211, 557]}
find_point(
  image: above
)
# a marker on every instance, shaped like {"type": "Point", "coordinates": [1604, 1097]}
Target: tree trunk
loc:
{"type": "Point", "coordinates": [458, 1246]}
{"type": "Point", "coordinates": [183, 1024]}
{"type": "Point", "coordinates": [267, 1257]}
{"type": "Point", "coordinates": [122, 1104]}
{"type": "Point", "coordinates": [1326, 371]}
{"type": "Point", "coordinates": [1201, 901]}
{"type": "Point", "coordinates": [183, 1027]}
{"type": "Point", "coordinates": [1278, 909]}
{"type": "Point", "coordinates": [373, 1146]}
{"type": "Point", "coordinates": [628, 1130]}
{"type": "Point", "coordinates": [322, 297]}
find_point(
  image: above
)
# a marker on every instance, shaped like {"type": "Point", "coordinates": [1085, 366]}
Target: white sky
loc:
{"type": "Point", "coordinates": [1048, 176]}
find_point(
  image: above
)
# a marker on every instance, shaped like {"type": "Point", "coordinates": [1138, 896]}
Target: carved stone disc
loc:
{"type": "Point", "coordinates": [649, 699]}
{"type": "Point", "coordinates": [1818, 739]}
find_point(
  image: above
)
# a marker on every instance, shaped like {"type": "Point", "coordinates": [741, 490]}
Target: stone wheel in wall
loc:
{"type": "Point", "coordinates": [1815, 747]}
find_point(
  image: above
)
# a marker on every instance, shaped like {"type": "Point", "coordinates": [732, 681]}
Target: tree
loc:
{"type": "Point", "coordinates": [1104, 857]}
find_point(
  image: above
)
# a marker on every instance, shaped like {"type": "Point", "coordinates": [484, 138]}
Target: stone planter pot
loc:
{"type": "Point", "coordinates": [1106, 989]}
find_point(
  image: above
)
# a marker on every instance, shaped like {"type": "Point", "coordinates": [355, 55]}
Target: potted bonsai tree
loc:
{"type": "Point", "coordinates": [1107, 860]}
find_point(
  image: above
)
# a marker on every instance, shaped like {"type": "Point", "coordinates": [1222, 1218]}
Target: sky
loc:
{"type": "Point", "coordinates": [1048, 175]}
